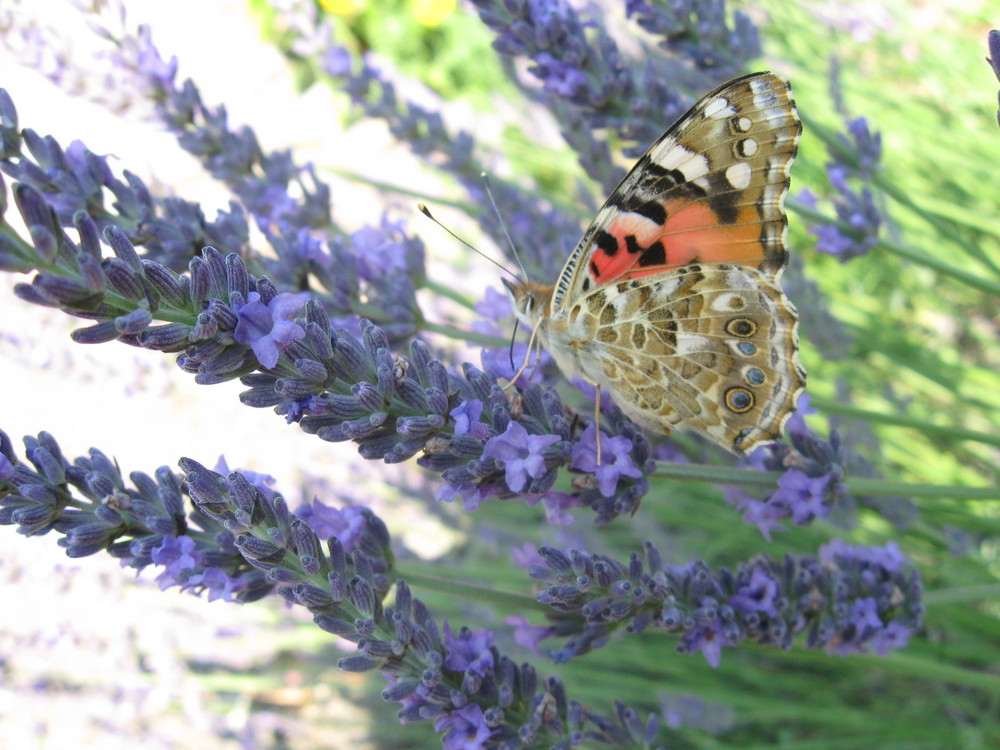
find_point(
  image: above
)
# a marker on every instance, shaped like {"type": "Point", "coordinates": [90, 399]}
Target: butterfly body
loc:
{"type": "Point", "coordinates": [670, 301]}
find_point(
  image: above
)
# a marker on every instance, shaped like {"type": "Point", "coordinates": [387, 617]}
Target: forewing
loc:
{"type": "Point", "coordinates": [711, 189]}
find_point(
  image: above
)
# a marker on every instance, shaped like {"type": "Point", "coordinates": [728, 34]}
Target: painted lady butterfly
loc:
{"type": "Point", "coordinates": [670, 301]}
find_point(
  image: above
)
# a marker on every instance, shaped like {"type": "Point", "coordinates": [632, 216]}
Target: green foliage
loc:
{"type": "Point", "coordinates": [453, 56]}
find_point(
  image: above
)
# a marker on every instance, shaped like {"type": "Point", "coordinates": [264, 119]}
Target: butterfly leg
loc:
{"type": "Point", "coordinates": [597, 415]}
{"type": "Point", "coordinates": [597, 420]}
{"type": "Point", "coordinates": [533, 342]}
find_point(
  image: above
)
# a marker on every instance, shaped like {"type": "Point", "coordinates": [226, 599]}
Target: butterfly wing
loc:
{"type": "Point", "coordinates": [670, 301]}
{"type": "Point", "coordinates": [706, 347]}
{"type": "Point", "coordinates": [711, 189]}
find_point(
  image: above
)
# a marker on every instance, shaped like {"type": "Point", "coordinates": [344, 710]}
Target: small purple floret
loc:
{"type": "Point", "coordinates": [520, 453]}
{"type": "Point", "coordinates": [267, 329]}
{"type": "Point", "coordinates": [616, 460]}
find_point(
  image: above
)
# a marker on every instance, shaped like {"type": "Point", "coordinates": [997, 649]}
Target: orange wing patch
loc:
{"type": "Point", "coordinates": [633, 246]}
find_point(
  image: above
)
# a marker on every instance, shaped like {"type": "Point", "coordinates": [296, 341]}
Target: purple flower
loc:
{"type": "Point", "coordinates": [807, 198]}
{"type": "Point", "coordinates": [865, 145]}
{"type": "Point", "coordinates": [894, 635]}
{"type": "Point", "coordinates": [149, 61]}
{"type": "Point", "coordinates": [855, 209]}
{"type": "Point", "coordinates": [831, 241]}
{"type": "Point", "coordinates": [310, 248]}
{"type": "Point", "coordinates": [176, 554]}
{"type": "Point", "coordinates": [271, 206]}
{"type": "Point", "coordinates": [219, 584]}
{"type": "Point", "coordinates": [864, 616]}
{"type": "Point", "coordinates": [796, 424]}
{"type": "Point", "coordinates": [763, 515]}
{"type": "Point", "coordinates": [468, 651]}
{"type": "Point", "coordinates": [267, 329]}
{"type": "Point", "coordinates": [803, 496]}
{"type": "Point", "coordinates": [467, 729]}
{"type": "Point", "coordinates": [526, 556]}
{"type": "Point", "coordinates": [347, 524]}
{"type": "Point", "coordinates": [758, 595]}
{"type": "Point", "coordinates": [560, 77]}
{"type": "Point", "coordinates": [888, 557]}
{"type": "Point", "coordinates": [470, 494]}
{"type": "Point", "coordinates": [337, 61]}
{"type": "Point", "coordinates": [526, 634]}
{"type": "Point", "coordinates": [520, 453]}
{"type": "Point", "coordinates": [6, 467]}
{"type": "Point", "coordinates": [993, 42]}
{"type": "Point", "coordinates": [706, 637]}
{"type": "Point", "coordinates": [493, 307]}
{"type": "Point", "coordinates": [615, 459]}
{"type": "Point", "coordinates": [466, 416]}
{"type": "Point", "coordinates": [378, 253]}
{"type": "Point", "coordinates": [556, 504]}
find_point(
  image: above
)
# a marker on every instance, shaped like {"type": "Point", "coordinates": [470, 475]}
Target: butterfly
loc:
{"type": "Point", "coordinates": [670, 301]}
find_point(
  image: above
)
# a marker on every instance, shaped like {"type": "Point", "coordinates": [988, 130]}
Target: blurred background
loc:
{"type": "Point", "coordinates": [95, 659]}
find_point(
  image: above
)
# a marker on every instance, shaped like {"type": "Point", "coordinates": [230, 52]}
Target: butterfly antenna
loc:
{"type": "Point", "coordinates": [426, 212]}
{"type": "Point", "coordinates": [503, 225]}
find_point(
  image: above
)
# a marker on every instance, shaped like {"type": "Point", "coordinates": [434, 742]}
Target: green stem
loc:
{"type": "Point", "coordinates": [857, 485]}
{"type": "Point", "coordinates": [832, 406]}
{"type": "Point", "coordinates": [400, 190]}
{"type": "Point", "coordinates": [930, 670]}
{"type": "Point", "coordinates": [462, 335]}
{"type": "Point", "coordinates": [887, 488]}
{"type": "Point", "coordinates": [451, 293]}
{"type": "Point", "coordinates": [942, 266]}
{"type": "Point", "coordinates": [716, 474]}
{"type": "Point", "coordinates": [987, 592]}
{"type": "Point", "coordinates": [916, 666]}
{"type": "Point", "coordinates": [461, 589]}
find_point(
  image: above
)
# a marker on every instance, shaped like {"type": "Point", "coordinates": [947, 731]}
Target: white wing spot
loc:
{"type": "Point", "coordinates": [688, 343]}
{"type": "Point", "coordinates": [778, 169]}
{"type": "Point", "coordinates": [748, 147]}
{"type": "Point", "coordinates": [724, 302]}
{"type": "Point", "coordinates": [690, 163]}
{"type": "Point", "coordinates": [738, 174]}
{"type": "Point", "coordinates": [784, 140]}
{"type": "Point", "coordinates": [665, 289]}
{"type": "Point", "coordinates": [740, 278]}
{"type": "Point", "coordinates": [767, 99]}
{"type": "Point", "coordinates": [718, 107]}
{"type": "Point", "coordinates": [744, 124]}
{"type": "Point", "coordinates": [703, 184]}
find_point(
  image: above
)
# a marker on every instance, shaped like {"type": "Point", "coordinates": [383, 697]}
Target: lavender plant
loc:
{"type": "Point", "coordinates": [324, 327]}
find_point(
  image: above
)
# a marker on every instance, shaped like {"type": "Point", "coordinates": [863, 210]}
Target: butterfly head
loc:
{"type": "Point", "coordinates": [529, 300]}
